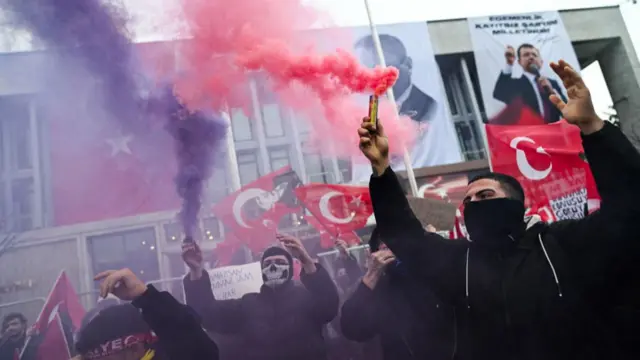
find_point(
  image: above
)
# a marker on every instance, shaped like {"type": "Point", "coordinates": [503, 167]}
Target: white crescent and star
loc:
{"type": "Point", "coordinates": [324, 208]}
{"type": "Point", "coordinates": [239, 202]}
{"type": "Point", "coordinates": [523, 163]}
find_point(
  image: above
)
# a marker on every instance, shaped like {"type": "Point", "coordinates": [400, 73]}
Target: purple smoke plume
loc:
{"type": "Point", "coordinates": [196, 136]}
{"type": "Point", "coordinates": [93, 35]}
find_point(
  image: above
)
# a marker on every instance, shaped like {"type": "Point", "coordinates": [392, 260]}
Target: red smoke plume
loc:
{"type": "Point", "coordinates": [231, 40]}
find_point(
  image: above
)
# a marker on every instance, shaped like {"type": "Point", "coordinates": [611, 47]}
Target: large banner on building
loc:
{"type": "Point", "coordinates": [512, 54]}
{"type": "Point", "coordinates": [419, 93]}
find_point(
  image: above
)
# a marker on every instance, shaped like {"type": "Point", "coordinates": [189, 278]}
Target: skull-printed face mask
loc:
{"type": "Point", "coordinates": [276, 270]}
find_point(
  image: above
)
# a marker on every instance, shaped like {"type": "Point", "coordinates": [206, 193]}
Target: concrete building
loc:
{"type": "Point", "coordinates": [150, 243]}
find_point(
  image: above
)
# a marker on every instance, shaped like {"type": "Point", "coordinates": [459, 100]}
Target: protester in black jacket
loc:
{"type": "Point", "coordinates": [281, 322]}
{"type": "Point", "coordinates": [523, 290]}
{"type": "Point", "coordinates": [155, 326]}
{"type": "Point", "coordinates": [410, 321]}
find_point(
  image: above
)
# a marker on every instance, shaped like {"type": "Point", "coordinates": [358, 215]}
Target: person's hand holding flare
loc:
{"type": "Point", "coordinates": [374, 145]}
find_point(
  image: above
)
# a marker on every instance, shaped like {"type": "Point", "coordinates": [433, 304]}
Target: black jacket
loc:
{"type": "Point", "coordinates": [508, 89]}
{"type": "Point", "coordinates": [410, 321]}
{"type": "Point", "coordinates": [282, 324]}
{"type": "Point", "coordinates": [9, 349]}
{"type": "Point", "coordinates": [542, 296]}
{"type": "Point", "coordinates": [180, 335]}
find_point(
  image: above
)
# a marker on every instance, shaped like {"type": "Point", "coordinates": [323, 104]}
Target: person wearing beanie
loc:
{"type": "Point", "coordinates": [283, 321]}
{"type": "Point", "coordinates": [154, 326]}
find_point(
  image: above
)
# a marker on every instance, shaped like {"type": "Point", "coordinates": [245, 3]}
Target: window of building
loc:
{"type": "Point", "coordinates": [17, 170]}
{"type": "Point", "coordinates": [218, 185]}
{"type": "Point", "coordinates": [173, 232]}
{"type": "Point", "coordinates": [279, 158]}
{"type": "Point", "coordinates": [271, 116]}
{"type": "Point", "coordinates": [212, 229]}
{"type": "Point", "coordinates": [134, 249]}
{"type": "Point", "coordinates": [248, 167]}
{"type": "Point", "coordinates": [241, 125]}
{"type": "Point", "coordinates": [316, 170]}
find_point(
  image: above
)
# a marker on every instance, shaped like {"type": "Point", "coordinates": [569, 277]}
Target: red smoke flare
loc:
{"type": "Point", "coordinates": [231, 41]}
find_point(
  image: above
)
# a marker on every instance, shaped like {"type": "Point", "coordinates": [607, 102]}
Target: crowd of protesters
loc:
{"type": "Point", "coordinates": [517, 289]}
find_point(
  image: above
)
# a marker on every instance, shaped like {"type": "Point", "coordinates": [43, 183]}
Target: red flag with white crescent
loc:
{"type": "Point", "coordinates": [253, 213]}
{"type": "Point", "coordinates": [337, 209]}
{"type": "Point", "coordinates": [546, 160]}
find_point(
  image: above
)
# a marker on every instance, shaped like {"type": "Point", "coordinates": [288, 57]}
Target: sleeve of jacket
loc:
{"type": "Point", "coordinates": [323, 298]}
{"type": "Point", "coordinates": [358, 315]}
{"type": "Point", "coordinates": [505, 88]}
{"type": "Point", "coordinates": [615, 165]}
{"type": "Point", "coordinates": [176, 326]}
{"type": "Point", "coordinates": [222, 316]}
{"type": "Point", "coordinates": [428, 255]}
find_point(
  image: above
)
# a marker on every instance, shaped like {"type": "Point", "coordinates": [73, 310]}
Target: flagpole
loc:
{"type": "Point", "coordinates": [378, 46]}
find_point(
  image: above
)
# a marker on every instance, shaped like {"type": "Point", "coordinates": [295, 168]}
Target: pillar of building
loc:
{"type": "Point", "coordinates": [621, 70]}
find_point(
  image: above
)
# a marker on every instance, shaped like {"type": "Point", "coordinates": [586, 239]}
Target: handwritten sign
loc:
{"type": "Point", "coordinates": [232, 282]}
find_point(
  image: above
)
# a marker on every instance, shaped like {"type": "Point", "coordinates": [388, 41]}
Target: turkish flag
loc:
{"type": "Point", "coordinates": [100, 172]}
{"type": "Point", "coordinates": [101, 168]}
{"type": "Point", "coordinates": [59, 319]}
{"type": "Point", "coordinates": [547, 161]}
{"type": "Point", "coordinates": [339, 209]}
{"type": "Point", "coordinates": [253, 213]}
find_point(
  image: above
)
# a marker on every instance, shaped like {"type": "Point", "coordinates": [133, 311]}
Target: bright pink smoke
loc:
{"type": "Point", "coordinates": [232, 39]}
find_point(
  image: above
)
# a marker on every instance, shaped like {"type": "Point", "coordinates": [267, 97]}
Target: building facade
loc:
{"type": "Point", "coordinates": [33, 252]}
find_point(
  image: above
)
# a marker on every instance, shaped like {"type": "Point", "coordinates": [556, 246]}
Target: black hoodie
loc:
{"type": "Point", "coordinates": [284, 323]}
{"type": "Point", "coordinates": [544, 295]}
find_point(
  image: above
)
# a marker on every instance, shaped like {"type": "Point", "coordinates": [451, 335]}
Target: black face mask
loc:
{"type": "Point", "coordinates": [494, 219]}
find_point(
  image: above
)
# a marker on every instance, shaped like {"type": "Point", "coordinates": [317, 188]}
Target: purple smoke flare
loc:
{"type": "Point", "coordinates": [92, 35]}
{"type": "Point", "coordinates": [196, 136]}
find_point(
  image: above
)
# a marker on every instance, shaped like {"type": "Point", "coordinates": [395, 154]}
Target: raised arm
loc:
{"type": "Point", "coordinates": [615, 165]}
{"type": "Point", "coordinates": [222, 316]}
{"type": "Point", "coordinates": [428, 255]}
{"type": "Point", "coordinates": [175, 324]}
{"type": "Point", "coordinates": [323, 298]}
{"type": "Point", "coordinates": [359, 317]}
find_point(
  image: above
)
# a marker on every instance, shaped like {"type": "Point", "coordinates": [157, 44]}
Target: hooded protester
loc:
{"type": "Point", "coordinates": [522, 289]}
{"type": "Point", "coordinates": [12, 336]}
{"type": "Point", "coordinates": [409, 320]}
{"type": "Point", "coordinates": [283, 321]}
{"type": "Point", "coordinates": [154, 326]}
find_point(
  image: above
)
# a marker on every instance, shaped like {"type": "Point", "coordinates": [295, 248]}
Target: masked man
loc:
{"type": "Point", "coordinates": [522, 289]}
{"type": "Point", "coordinates": [154, 326]}
{"type": "Point", "coordinates": [13, 335]}
{"type": "Point", "coordinates": [283, 321]}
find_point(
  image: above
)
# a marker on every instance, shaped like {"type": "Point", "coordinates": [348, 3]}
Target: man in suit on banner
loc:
{"type": "Point", "coordinates": [532, 88]}
{"type": "Point", "coordinates": [411, 100]}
